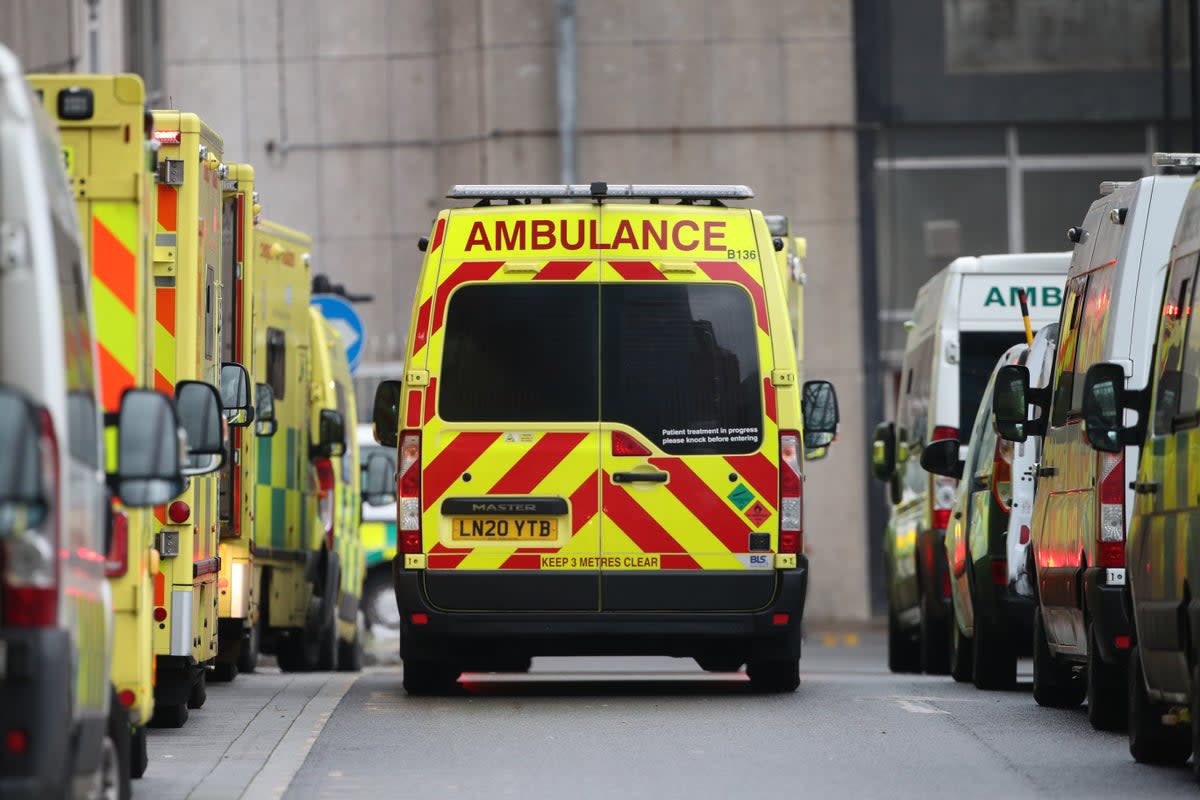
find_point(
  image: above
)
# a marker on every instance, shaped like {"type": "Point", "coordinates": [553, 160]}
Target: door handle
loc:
{"type": "Point", "coordinates": [1047, 472]}
{"type": "Point", "coordinates": [1143, 488]}
{"type": "Point", "coordinates": [640, 477]}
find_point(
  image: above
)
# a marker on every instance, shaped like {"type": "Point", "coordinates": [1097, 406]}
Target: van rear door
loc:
{"type": "Point", "coordinates": [509, 335]}
{"type": "Point", "coordinates": [689, 440]}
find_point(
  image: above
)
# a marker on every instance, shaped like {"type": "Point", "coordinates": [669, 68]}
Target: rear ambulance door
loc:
{"type": "Point", "coordinates": [232, 303]}
{"type": "Point", "coordinates": [508, 336]}
{"type": "Point", "coordinates": [689, 437]}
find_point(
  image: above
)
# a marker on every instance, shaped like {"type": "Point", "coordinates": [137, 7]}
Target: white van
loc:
{"type": "Point", "coordinates": [1084, 498]}
{"type": "Point", "coordinates": [65, 733]}
{"type": "Point", "coordinates": [964, 318]}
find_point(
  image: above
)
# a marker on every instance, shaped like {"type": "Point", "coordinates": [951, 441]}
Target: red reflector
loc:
{"type": "Point", "coordinates": [1122, 642]}
{"type": "Point", "coordinates": [126, 697]}
{"type": "Point", "coordinates": [1000, 572]}
{"type": "Point", "coordinates": [1024, 534]}
{"type": "Point", "coordinates": [1112, 554]}
{"type": "Point", "coordinates": [167, 137]}
{"type": "Point", "coordinates": [30, 607]}
{"type": "Point", "coordinates": [16, 742]}
{"type": "Point", "coordinates": [789, 542]}
{"type": "Point", "coordinates": [946, 584]}
{"type": "Point", "coordinates": [944, 432]}
{"type": "Point", "coordinates": [410, 541]}
{"type": "Point", "coordinates": [178, 512]}
{"type": "Point", "coordinates": [941, 518]}
{"type": "Point", "coordinates": [117, 563]}
{"type": "Point", "coordinates": [780, 619]}
{"type": "Point", "coordinates": [160, 614]}
{"type": "Point", "coordinates": [420, 618]}
{"type": "Point", "coordinates": [623, 444]}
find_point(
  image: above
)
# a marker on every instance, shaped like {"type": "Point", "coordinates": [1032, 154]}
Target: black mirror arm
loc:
{"type": "Point", "coordinates": [1039, 397]}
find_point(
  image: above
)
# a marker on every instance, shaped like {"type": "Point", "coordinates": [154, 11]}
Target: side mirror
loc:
{"type": "Point", "coordinates": [148, 450]}
{"type": "Point", "coordinates": [941, 458]}
{"type": "Point", "coordinates": [1103, 407]}
{"type": "Point", "coordinates": [23, 504]}
{"type": "Point", "coordinates": [1010, 402]}
{"type": "Point", "coordinates": [265, 423]}
{"type": "Point", "coordinates": [386, 415]}
{"type": "Point", "coordinates": [235, 394]}
{"type": "Point", "coordinates": [883, 451]}
{"type": "Point", "coordinates": [199, 408]}
{"type": "Point", "coordinates": [379, 480]}
{"type": "Point", "coordinates": [818, 405]}
{"type": "Point", "coordinates": [331, 435]}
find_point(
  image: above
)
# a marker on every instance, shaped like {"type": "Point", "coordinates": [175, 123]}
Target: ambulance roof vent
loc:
{"type": "Point", "coordinates": [526, 193]}
{"type": "Point", "coordinates": [1176, 162]}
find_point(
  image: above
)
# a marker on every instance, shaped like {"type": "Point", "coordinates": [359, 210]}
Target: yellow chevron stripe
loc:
{"type": "Point", "coordinates": [164, 352]}
{"type": "Point", "coordinates": [118, 334]}
{"type": "Point", "coordinates": [121, 219]}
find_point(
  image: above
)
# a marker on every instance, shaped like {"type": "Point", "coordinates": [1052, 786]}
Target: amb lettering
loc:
{"type": "Point", "coordinates": [1034, 295]}
{"type": "Point", "coordinates": [584, 234]}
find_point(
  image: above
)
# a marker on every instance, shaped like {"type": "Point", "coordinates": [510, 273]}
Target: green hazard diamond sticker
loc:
{"type": "Point", "coordinates": [741, 496]}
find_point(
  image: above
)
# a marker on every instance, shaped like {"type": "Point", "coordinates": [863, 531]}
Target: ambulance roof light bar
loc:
{"type": "Point", "coordinates": [1185, 163]}
{"type": "Point", "coordinates": [599, 190]}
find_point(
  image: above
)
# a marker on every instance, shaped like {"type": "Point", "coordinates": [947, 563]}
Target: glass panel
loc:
{"type": "Point", "coordinates": [521, 353]}
{"type": "Point", "coordinates": [681, 366]}
{"type": "Point", "coordinates": [1070, 140]}
{"type": "Point", "coordinates": [1176, 316]}
{"type": "Point", "coordinates": [979, 353]}
{"type": "Point", "coordinates": [276, 362]}
{"type": "Point", "coordinates": [1068, 344]}
{"type": "Point", "coordinates": [1093, 325]}
{"type": "Point", "coordinates": [1054, 201]}
{"type": "Point", "coordinates": [946, 140]}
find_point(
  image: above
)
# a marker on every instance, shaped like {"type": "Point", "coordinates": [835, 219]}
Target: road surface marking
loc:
{"type": "Point", "coordinates": [915, 706]}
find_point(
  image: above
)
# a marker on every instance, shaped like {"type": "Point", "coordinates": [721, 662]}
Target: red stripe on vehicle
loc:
{"type": "Point", "coordinates": [758, 471]}
{"type": "Point", "coordinates": [638, 271]}
{"type": "Point", "coordinates": [430, 399]}
{"type": "Point", "coordinates": [769, 397]}
{"type": "Point", "coordinates": [533, 467]}
{"type": "Point", "coordinates": [412, 416]}
{"type": "Point", "coordinates": [439, 231]}
{"type": "Point", "coordinates": [522, 561]}
{"type": "Point", "coordinates": [421, 336]}
{"type": "Point", "coordinates": [114, 264]}
{"type": "Point", "coordinates": [677, 561]}
{"type": "Point", "coordinates": [114, 379]}
{"type": "Point", "coordinates": [468, 271]}
{"type": "Point", "coordinates": [163, 385]}
{"type": "Point", "coordinates": [641, 528]}
{"type": "Point", "coordinates": [561, 270]}
{"type": "Point", "coordinates": [699, 498]}
{"type": "Point", "coordinates": [160, 588]}
{"type": "Point", "coordinates": [585, 502]}
{"type": "Point", "coordinates": [449, 465]}
{"type": "Point", "coordinates": [164, 308]}
{"type": "Point", "coordinates": [736, 273]}
{"type": "Point", "coordinates": [444, 560]}
{"type": "Point", "coordinates": [167, 205]}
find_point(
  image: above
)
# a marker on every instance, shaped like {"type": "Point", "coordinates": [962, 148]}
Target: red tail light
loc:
{"type": "Point", "coordinates": [941, 488]}
{"type": "Point", "coordinates": [625, 445]}
{"type": "Point", "coordinates": [325, 497]}
{"type": "Point", "coordinates": [29, 558]}
{"type": "Point", "coordinates": [117, 563]}
{"type": "Point", "coordinates": [791, 494]}
{"type": "Point", "coordinates": [408, 492]}
{"type": "Point", "coordinates": [1000, 572]}
{"type": "Point", "coordinates": [1002, 475]}
{"type": "Point", "coordinates": [178, 512]}
{"type": "Point", "coordinates": [946, 589]}
{"type": "Point", "coordinates": [1111, 506]}
{"type": "Point", "coordinates": [944, 432]}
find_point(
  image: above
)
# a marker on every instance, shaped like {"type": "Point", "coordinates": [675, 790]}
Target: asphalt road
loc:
{"type": "Point", "coordinates": [633, 728]}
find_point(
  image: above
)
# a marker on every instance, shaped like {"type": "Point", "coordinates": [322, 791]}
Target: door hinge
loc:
{"type": "Point", "coordinates": [783, 377]}
{"type": "Point", "coordinates": [417, 377]}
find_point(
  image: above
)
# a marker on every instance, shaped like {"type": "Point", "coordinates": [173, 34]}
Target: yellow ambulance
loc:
{"type": "Point", "coordinates": [189, 344]}
{"type": "Point", "coordinates": [599, 436]}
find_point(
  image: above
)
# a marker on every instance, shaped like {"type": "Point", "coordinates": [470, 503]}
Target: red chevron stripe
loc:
{"type": "Point", "coordinates": [637, 271]}
{"type": "Point", "coordinates": [164, 308]}
{"type": "Point", "coordinates": [449, 465]}
{"type": "Point", "coordinates": [758, 471]}
{"type": "Point", "coordinates": [412, 415]}
{"type": "Point", "coordinates": [167, 204]}
{"type": "Point", "coordinates": [561, 270]}
{"type": "Point", "coordinates": [643, 529]}
{"type": "Point", "coordinates": [677, 561]}
{"type": "Point", "coordinates": [430, 399]}
{"type": "Point", "coordinates": [585, 502]}
{"type": "Point", "coordinates": [468, 271]}
{"type": "Point", "coordinates": [523, 561]}
{"type": "Point", "coordinates": [114, 379]}
{"type": "Point", "coordinates": [114, 264]}
{"type": "Point", "coordinates": [769, 397]}
{"type": "Point", "coordinates": [711, 510]}
{"type": "Point", "coordinates": [533, 467]}
{"type": "Point", "coordinates": [421, 335]}
{"type": "Point", "coordinates": [736, 273]}
{"type": "Point", "coordinates": [163, 385]}
{"type": "Point", "coordinates": [444, 560]}
{"type": "Point", "coordinates": [438, 232]}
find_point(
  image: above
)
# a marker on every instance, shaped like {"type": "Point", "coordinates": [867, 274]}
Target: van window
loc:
{"type": "Point", "coordinates": [978, 354]}
{"type": "Point", "coordinates": [1067, 345]}
{"type": "Point", "coordinates": [680, 366]}
{"type": "Point", "coordinates": [276, 362]}
{"type": "Point", "coordinates": [83, 439]}
{"type": "Point", "coordinates": [521, 353]}
{"type": "Point", "coordinates": [1175, 327]}
{"type": "Point", "coordinates": [1093, 324]}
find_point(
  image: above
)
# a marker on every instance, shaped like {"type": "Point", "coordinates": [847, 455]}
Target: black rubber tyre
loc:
{"type": "Point", "coordinates": [247, 660]}
{"type": "Point", "coordinates": [1054, 685]}
{"type": "Point", "coordinates": [350, 654]}
{"type": "Point", "coordinates": [295, 653]}
{"type": "Point", "coordinates": [935, 642]}
{"type": "Point", "coordinates": [903, 655]}
{"type": "Point", "coordinates": [1151, 742]}
{"type": "Point", "coordinates": [139, 758]}
{"type": "Point", "coordinates": [1107, 685]}
{"type": "Point", "coordinates": [428, 678]}
{"type": "Point", "coordinates": [995, 658]}
{"type": "Point", "coordinates": [379, 600]}
{"type": "Point", "coordinates": [173, 716]}
{"type": "Point", "coordinates": [199, 693]}
{"type": "Point", "coordinates": [114, 760]}
{"type": "Point", "coordinates": [962, 655]}
{"type": "Point", "coordinates": [774, 677]}
{"type": "Point", "coordinates": [224, 672]}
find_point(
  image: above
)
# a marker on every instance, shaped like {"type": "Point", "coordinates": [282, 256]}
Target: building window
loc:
{"type": "Point", "coordinates": [145, 55]}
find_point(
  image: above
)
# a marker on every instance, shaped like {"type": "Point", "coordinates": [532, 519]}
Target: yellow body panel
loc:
{"type": "Point", "coordinates": [110, 170]}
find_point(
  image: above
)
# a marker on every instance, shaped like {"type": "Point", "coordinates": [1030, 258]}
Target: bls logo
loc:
{"type": "Point", "coordinates": [758, 561]}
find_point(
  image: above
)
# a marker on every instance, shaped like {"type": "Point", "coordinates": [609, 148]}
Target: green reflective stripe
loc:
{"type": "Point", "coordinates": [265, 451]}
{"type": "Point", "coordinates": [278, 517]}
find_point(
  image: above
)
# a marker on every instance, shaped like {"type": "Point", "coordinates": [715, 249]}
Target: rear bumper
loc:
{"type": "Point", "coordinates": [466, 637]}
{"type": "Point", "coordinates": [1106, 608]}
{"type": "Point", "coordinates": [35, 684]}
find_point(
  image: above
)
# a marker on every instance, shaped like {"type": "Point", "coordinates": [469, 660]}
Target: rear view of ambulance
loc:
{"type": "Point", "coordinates": [599, 436]}
{"type": "Point", "coordinates": [964, 318]}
